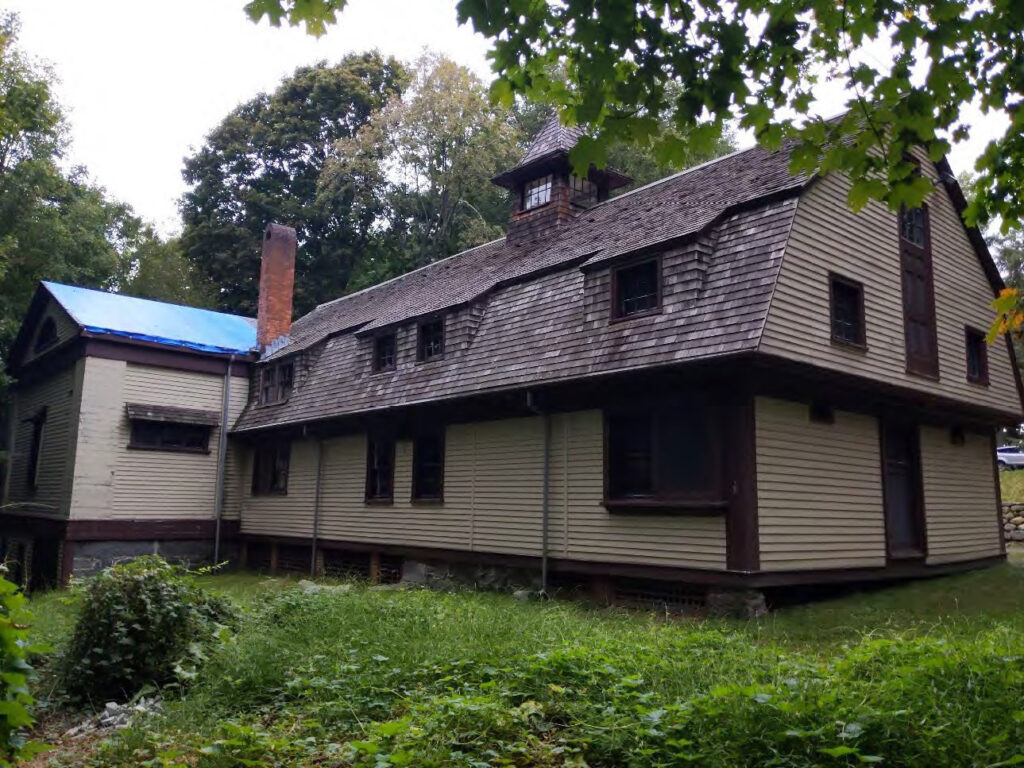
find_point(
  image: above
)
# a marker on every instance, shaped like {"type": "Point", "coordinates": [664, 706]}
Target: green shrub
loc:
{"type": "Point", "coordinates": [15, 698]}
{"type": "Point", "coordinates": [143, 622]}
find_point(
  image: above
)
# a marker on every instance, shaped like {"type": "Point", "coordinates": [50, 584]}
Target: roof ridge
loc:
{"type": "Point", "coordinates": [403, 275]}
{"type": "Point", "coordinates": [117, 294]}
{"type": "Point", "coordinates": [676, 175]}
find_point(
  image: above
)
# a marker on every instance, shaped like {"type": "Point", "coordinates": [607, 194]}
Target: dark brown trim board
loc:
{"type": "Point", "coordinates": [743, 545]}
{"type": "Point", "coordinates": [999, 494]}
{"type": "Point", "coordinates": [146, 353]}
{"type": "Point", "coordinates": [144, 530]}
{"type": "Point", "coordinates": [758, 580]}
{"type": "Point", "coordinates": [919, 520]}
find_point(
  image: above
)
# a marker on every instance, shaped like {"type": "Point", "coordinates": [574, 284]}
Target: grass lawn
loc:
{"type": "Point", "coordinates": [929, 673]}
{"type": "Point", "coordinates": [1012, 485]}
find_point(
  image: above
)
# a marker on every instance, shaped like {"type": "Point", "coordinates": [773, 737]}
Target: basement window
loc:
{"type": "Point", "coordinates": [276, 381]}
{"type": "Point", "coordinates": [384, 352]}
{"type": "Point", "coordinates": [270, 468]}
{"type": "Point", "coordinates": [428, 466]}
{"type": "Point", "coordinates": [636, 289]}
{"type": "Point", "coordinates": [537, 193]}
{"type": "Point", "coordinates": [977, 356]}
{"type": "Point", "coordinates": [430, 344]}
{"type": "Point", "coordinates": [665, 457]}
{"type": "Point", "coordinates": [380, 469]}
{"type": "Point", "coordinates": [847, 311]}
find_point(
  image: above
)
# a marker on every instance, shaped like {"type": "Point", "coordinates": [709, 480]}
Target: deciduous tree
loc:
{"type": "Point", "coordinates": [263, 163]}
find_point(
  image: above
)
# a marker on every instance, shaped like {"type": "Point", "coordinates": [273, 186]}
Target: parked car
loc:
{"type": "Point", "coordinates": [1010, 457]}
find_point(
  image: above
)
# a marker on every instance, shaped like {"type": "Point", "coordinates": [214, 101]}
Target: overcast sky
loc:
{"type": "Point", "coordinates": [143, 81]}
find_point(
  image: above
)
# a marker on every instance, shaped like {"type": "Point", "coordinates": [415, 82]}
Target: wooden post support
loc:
{"type": "Point", "coordinates": [375, 567]}
{"type": "Point", "coordinates": [243, 555]}
{"type": "Point", "coordinates": [273, 558]}
{"type": "Point", "coordinates": [318, 568]}
{"type": "Point", "coordinates": [601, 590]}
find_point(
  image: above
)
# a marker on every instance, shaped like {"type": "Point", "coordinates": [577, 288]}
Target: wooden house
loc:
{"type": "Point", "coordinates": [722, 381]}
{"type": "Point", "coordinates": [117, 422]}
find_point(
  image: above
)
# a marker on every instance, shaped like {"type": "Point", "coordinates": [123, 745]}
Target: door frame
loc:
{"type": "Point", "coordinates": [918, 517]}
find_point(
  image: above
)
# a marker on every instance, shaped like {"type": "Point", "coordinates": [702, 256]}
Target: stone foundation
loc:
{"type": "Point", "coordinates": [91, 557]}
{"type": "Point", "coordinates": [1013, 521]}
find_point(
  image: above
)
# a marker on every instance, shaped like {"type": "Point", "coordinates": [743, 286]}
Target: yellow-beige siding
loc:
{"type": "Point", "coordinates": [960, 496]}
{"type": "Point", "coordinates": [59, 394]}
{"type": "Point", "coordinates": [828, 237]}
{"type": "Point", "coordinates": [112, 481]}
{"type": "Point", "coordinates": [492, 499]}
{"type": "Point", "coordinates": [819, 489]}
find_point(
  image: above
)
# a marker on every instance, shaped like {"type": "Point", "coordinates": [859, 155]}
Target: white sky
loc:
{"type": "Point", "coordinates": [143, 81]}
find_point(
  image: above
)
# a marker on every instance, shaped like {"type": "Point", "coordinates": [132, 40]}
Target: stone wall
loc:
{"type": "Point", "coordinates": [1013, 522]}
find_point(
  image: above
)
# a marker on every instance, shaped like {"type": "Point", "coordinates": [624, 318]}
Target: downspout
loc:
{"type": "Point", "coordinates": [546, 493]}
{"type": "Point", "coordinates": [316, 506]}
{"type": "Point", "coordinates": [222, 457]}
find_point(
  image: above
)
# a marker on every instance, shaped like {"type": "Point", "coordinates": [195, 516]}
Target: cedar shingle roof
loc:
{"type": "Point", "coordinates": [551, 139]}
{"type": "Point", "coordinates": [521, 314]}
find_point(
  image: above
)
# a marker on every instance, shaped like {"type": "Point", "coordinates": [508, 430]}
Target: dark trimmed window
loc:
{"type": "Point", "coordinates": [169, 436]}
{"type": "Point", "coordinates": [430, 342]}
{"type": "Point", "coordinates": [977, 356]}
{"type": "Point", "coordinates": [35, 451]}
{"type": "Point", "coordinates": [582, 191]}
{"type": "Point", "coordinates": [428, 466]}
{"type": "Point", "coordinates": [636, 288]}
{"type": "Point", "coordinates": [270, 468]}
{"type": "Point", "coordinates": [847, 310]}
{"type": "Point", "coordinates": [537, 193]}
{"type": "Point", "coordinates": [47, 335]}
{"type": "Point", "coordinates": [276, 381]}
{"type": "Point", "coordinates": [384, 352]}
{"type": "Point", "coordinates": [665, 456]}
{"type": "Point", "coordinates": [918, 292]}
{"type": "Point", "coordinates": [380, 469]}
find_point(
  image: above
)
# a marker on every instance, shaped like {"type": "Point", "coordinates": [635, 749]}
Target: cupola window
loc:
{"type": "Point", "coordinates": [537, 192]}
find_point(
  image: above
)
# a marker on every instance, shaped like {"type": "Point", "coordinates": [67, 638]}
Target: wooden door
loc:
{"type": "Point", "coordinates": [901, 467]}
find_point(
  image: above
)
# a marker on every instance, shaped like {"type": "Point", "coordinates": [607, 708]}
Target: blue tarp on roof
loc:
{"type": "Point", "coordinates": [171, 324]}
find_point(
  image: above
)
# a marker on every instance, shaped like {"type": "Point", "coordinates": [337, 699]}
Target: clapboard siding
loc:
{"type": "Point", "coordinates": [828, 236]}
{"type": "Point", "coordinates": [59, 394]}
{"type": "Point", "coordinates": [289, 514]}
{"type": "Point", "coordinates": [115, 482]}
{"type": "Point", "coordinates": [492, 499]}
{"type": "Point", "coordinates": [819, 489]}
{"type": "Point", "coordinates": [960, 496]}
{"type": "Point", "coordinates": [590, 532]}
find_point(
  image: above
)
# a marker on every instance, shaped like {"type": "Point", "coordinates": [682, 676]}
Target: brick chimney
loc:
{"type": "Point", "coordinates": [277, 284]}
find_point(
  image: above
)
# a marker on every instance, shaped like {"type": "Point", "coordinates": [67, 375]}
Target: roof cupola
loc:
{"type": "Point", "coordinates": [545, 190]}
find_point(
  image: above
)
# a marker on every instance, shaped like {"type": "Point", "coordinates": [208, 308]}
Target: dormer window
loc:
{"type": "Point", "coordinates": [384, 348]}
{"type": "Point", "coordinates": [431, 340]}
{"type": "Point", "coordinates": [276, 383]}
{"type": "Point", "coordinates": [636, 289]}
{"type": "Point", "coordinates": [537, 193]}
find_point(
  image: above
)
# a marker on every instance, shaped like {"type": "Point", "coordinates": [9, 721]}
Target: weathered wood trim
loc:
{"type": "Point", "coordinates": [763, 579]}
{"type": "Point", "coordinates": [144, 530]}
{"type": "Point", "coordinates": [148, 353]}
{"type": "Point", "coordinates": [741, 524]}
{"type": "Point", "coordinates": [920, 520]}
{"type": "Point", "coordinates": [999, 495]}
